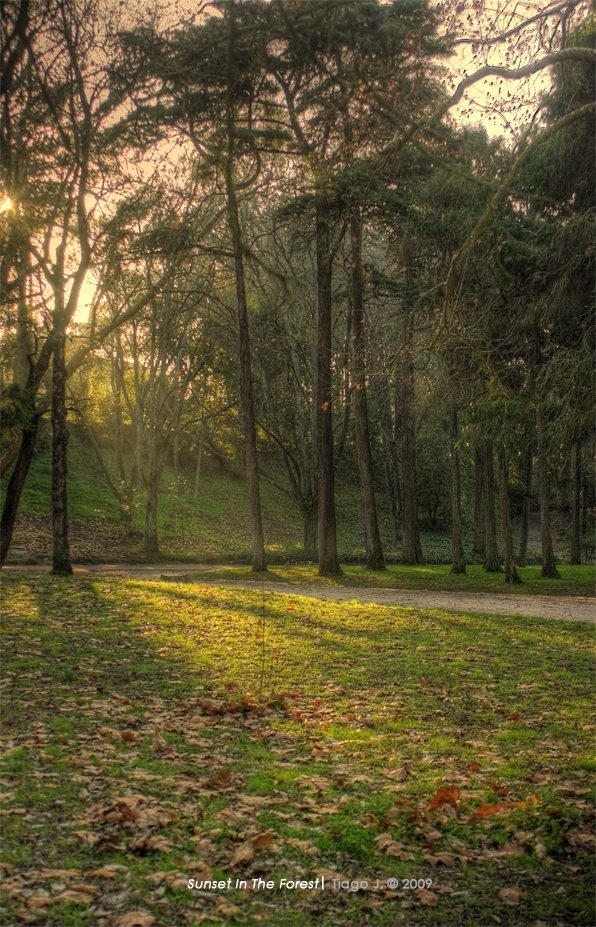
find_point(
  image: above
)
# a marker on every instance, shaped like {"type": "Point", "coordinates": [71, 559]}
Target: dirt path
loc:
{"type": "Point", "coordinates": [566, 608]}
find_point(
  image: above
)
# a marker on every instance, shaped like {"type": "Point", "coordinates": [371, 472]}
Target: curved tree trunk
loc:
{"type": "Point", "coordinates": [511, 574]}
{"type": "Point", "coordinates": [491, 554]}
{"type": "Point", "coordinates": [16, 483]}
{"type": "Point", "coordinates": [457, 544]}
{"type": "Point", "coordinates": [549, 567]}
{"type": "Point", "coordinates": [328, 559]}
{"type": "Point", "coordinates": [18, 476]}
{"type": "Point", "coordinates": [372, 539]}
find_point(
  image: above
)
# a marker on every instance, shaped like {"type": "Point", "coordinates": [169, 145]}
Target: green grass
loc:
{"type": "Point", "coordinates": [155, 727]}
{"type": "Point", "coordinates": [575, 580]}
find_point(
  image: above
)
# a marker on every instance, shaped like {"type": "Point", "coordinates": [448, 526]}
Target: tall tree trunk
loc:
{"type": "Point", "coordinates": [61, 548]}
{"type": "Point", "coordinates": [479, 547]}
{"type": "Point", "coordinates": [311, 518]}
{"type": "Point", "coordinates": [457, 544]}
{"type": "Point", "coordinates": [257, 543]}
{"type": "Point", "coordinates": [388, 445]}
{"type": "Point", "coordinates": [328, 559]}
{"type": "Point", "coordinates": [18, 476]}
{"type": "Point", "coordinates": [549, 567]}
{"type": "Point", "coordinates": [525, 521]}
{"type": "Point", "coordinates": [584, 502]}
{"type": "Point", "coordinates": [152, 489]}
{"type": "Point", "coordinates": [491, 554]}
{"type": "Point", "coordinates": [117, 393]}
{"type": "Point", "coordinates": [16, 483]}
{"type": "Point", "coordinates": [511, 574]}
{"type": "Point", "coordinates": [195, 494]}
{"type": "Point", "coordinates": [412, 548]}
{"type": "Point", "coordinates": [10, 454]}
{"type": "Point", "coordinates": [372, 540]}
{"type": "Point", "coordinates": [576, 477]}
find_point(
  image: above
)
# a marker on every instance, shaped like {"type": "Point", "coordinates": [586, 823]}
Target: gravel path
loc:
{"type": "Point", "coordinates": [566, 608]}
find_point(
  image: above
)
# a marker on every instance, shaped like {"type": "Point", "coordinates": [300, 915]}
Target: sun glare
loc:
{"type": "Point", "coordinates": [6, 204]}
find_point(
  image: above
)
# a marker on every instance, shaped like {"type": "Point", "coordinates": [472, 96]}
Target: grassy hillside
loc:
{"type": "Point", "coordinates": [215, 529]}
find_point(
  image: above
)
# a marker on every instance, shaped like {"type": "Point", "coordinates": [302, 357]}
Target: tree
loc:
{"type": "Point", "coordinates": [457, 544]}
{"type": "Point", "coordinates": [331, 60]}
{"type": "Point", "coordinates": [208, 76]}
{"type": "Point", "coordinates": [61, 160]}
{"type": "Point", "coordinates": [374, 551]}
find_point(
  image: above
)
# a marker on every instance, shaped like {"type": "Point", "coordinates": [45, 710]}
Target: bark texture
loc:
{"type": "Point", "coordinates": [328, 559]}
{"type": "Point", "coordinates": [576, 480]}
{"type": "Point", "coordinates": [257, 543]}
{"type": "Point", "coordinates": [457, 544]}
{"type": "Point", "coordinates": [491, 554]}
{"type": "Point", "coordinates": [511, 574]}
{"type": "Point", "coordinates": [60, 543]}
{"type": "Point", "coordinates": [525, 522]}
{"type": "Point", "coordinates": [549, 567]}
{"type": "Point", "coordinates": [152, 490]}
{"type": "Point", "coordinates": [375, 559]}
{"type": "Point", "coordinates": [411, 545]}
{"type": "Point", "coordinates": [37, 371]}
{"type": "Point", "coordinates": [479, 502]}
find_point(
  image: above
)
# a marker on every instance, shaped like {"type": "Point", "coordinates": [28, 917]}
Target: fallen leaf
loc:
{"type": "Point", "coordinates": [398, 775]}
{"type": "Point", "coordinates": [262, 841]}
{"type": "Point", "coordinates": [509, 849]}
{"type": "Point", "coordinates": [581, 840]}
{"type": "Point", "coordinates": [501, 790]}
{"type": "Point", "coordinates": [131, 919]}
{"type": "Point", "coordinates": [446, 795]}
{"type": "Point", "coordinates": [220, 780]}
{"type": "Point", "coordinates": [473, 767]}
{"type": "Point", "coordinates": [486, 811]}
{"type": "Point", "coordinates": [227, 909]}
{"type": "Point", "coordinates": [148, 841]}
{"type": "Point", "coordinates": [86, 839]}
{"type": "Point", "coordinates": [511, 895]}
{"type": "Point", "coordinates": [129, 736]}
{"type": "Point", "coordinates": [427, 898]}
{"type": "Point", "coordinates": [242, 855]}
{"type": "Point", "coordinates": [74, 896]}
{"type": "Point", "coordinates": [540, 850]}
{"type": "Point", "coordinates": [38, 901]}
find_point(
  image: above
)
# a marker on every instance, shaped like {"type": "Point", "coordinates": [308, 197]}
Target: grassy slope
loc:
{"type": "Point", "coordinates": [137, 739]}
{"type": "Point", "coordinates": [215, 529]}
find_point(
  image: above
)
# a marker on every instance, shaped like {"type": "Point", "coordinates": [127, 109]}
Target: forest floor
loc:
{"type": "Point", "coordinates": [433, 768]}
{"type": "Point", "coordinates": [342, 589]}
